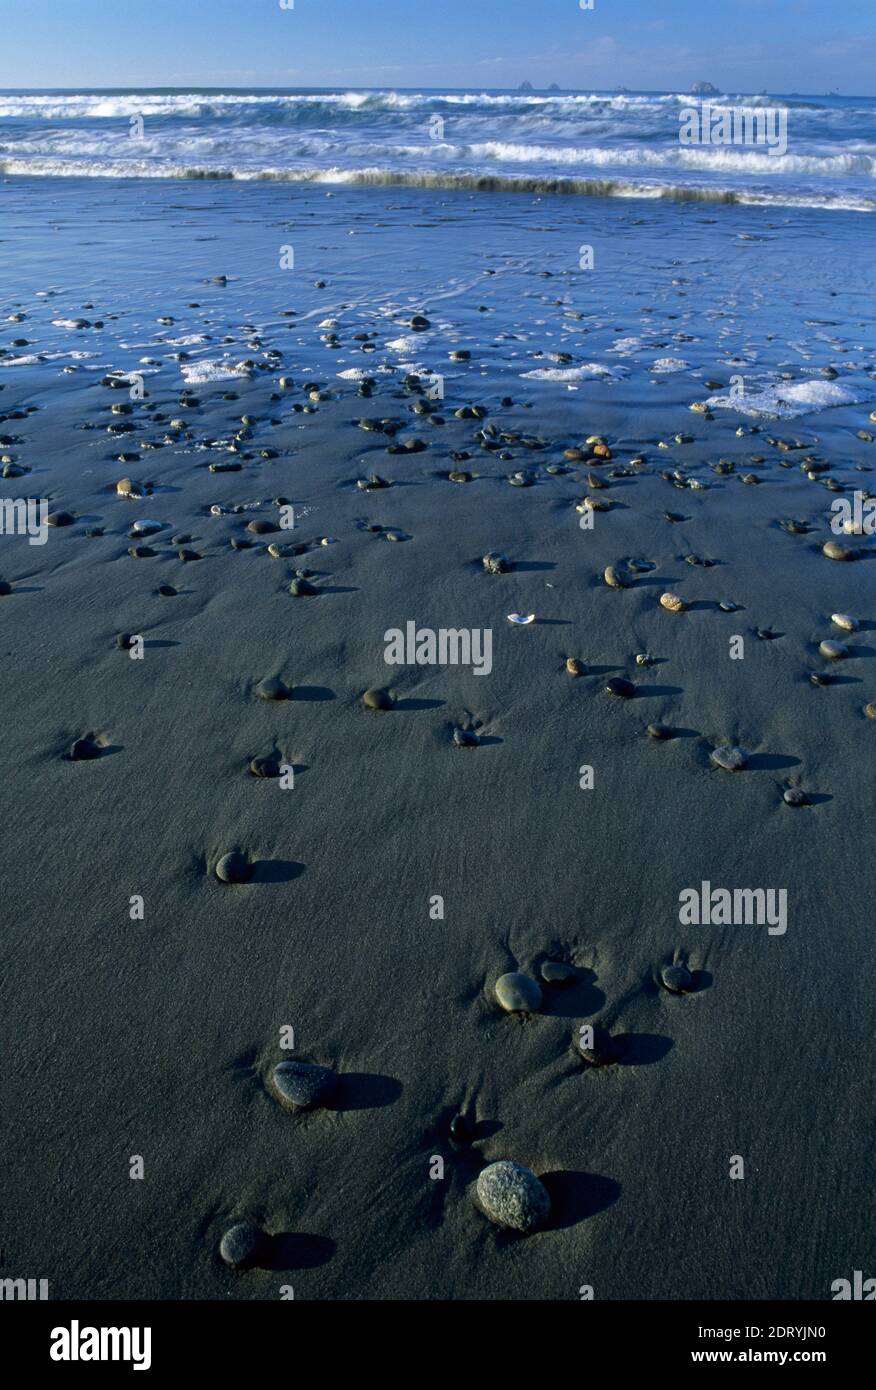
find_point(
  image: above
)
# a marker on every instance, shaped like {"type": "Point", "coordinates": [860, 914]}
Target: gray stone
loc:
{"type": "Point", "coordinates": [518, 994]}
{"type": "Point", "coordinates": [513, 1197]}
{"type": "Point", "coordinates": [304, 1085]}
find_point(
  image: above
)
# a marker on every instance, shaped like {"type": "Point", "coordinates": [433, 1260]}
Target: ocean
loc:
{"type": "Point", "coordinates": [623, 144]}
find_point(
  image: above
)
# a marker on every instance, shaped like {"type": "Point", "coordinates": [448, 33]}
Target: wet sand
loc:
{"type": "Point", "coordinates": [157, 1037]}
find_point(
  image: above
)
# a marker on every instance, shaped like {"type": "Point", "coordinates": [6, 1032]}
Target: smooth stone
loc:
{"type": "Point", "coordinates": [660, 731]}
{"type": "Point", "coordinates": [795, 796]}
{"type": "Point", "coordinates": [616, 577]}
{"type": "Point", "coordinates": [167, 591]}
{"type": "Point", "coordinates": [556, 972]}
{"type": "Point", "coordinates": [728, 758]}
{"type": "Point", "coordinates": [834, 551]}
{"type": "Point", "coordinates": [513, 1197]}
{"type": "Point", "coordinates": [676, 979]}
{"type": "Point", "coordinates": [870, 710]}
{"type": "Point", "coordinates": [125, 641]}
{"type": "Point", "coordinates": [242, 1246]}
{"type": "Point", "coordinates": [820, 678]}
{"type": "Point", "coordinates": [845, 621]}
{"type": "Point", "coordinates": [234, 868]}
{"type": "Point", "coordinates": [304, 1085]}
{"type": "Point", "coordinates": [60, 519]}
{"type": "Point", "coordinates": [518, 994]}
{"type": "Point", "coordinates": [833, 651]}
{"type": "Point", "coordinates": [272, 688]}
{"type": "Point", "coordinates": [83, 750]}
{"type": "Point", "coordinates": [261, 527]}
{"type": "Point", "coordinates": [620, 687]}
{"type": "Point", "coordinates": [141, 552]}
{"type": "Point", "coordinates": [265, 767]}
{"type": "Point", "coordinates": [574, 667]}
{"type": "Point", "coordinates": [302, 588]}
{"type": "Point", "coordinates": [672, 603]}
{"type": "Point", "coordinates": [377, 699]}
{"type": "Point", "coordinates": [603, 1051]}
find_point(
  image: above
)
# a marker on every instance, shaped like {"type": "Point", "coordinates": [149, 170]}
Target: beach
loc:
{"type": "Point", "coordinates": [332, 353]}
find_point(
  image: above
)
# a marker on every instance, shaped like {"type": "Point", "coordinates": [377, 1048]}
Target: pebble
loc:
{"type": "Point", "coordinates": [242, 1246]}
{"type": "Point", "coordinates": [496, 563]}
{"type": "Point", "coordinates": [302, 588]}
{"type": "Point", "coordinates": [660, 731]}
{"type": "Point", "coordinates": [513, 1197]}
{"type": "Point", "coordinates": [518, 994]}
{"type": "Point", "coordinates": [616, 577]}
{"type": "Point", "coordinates": [377, 698]}
{"type": "Point", "coordinates": [167, 591]}
{"type": "Point", "coordinates": [60, 519]}
{"type": "Point", "coordinates": [845, 621]}
{"type": "Point", "coordinates": [234, 868]}
{"type": "Point", "coordinates": [556, 972]}
{"type": "Point", "coordinates": [870, 710]}
{"type": "Point", "coordinates": [620, 687]}
{"type": "Point", "coordinates": [672, 602]}
{"type": "Point", "coordinates": [574, 666]}
{"type": "Point", "coordinates": [601, 1053]}
{"type": "Point", "coordinates": [730, 758]}
{"type": "Point", "coordinates": [795, 796]}
{"type": "Point", "coordinates": [833, 651]}
{"type": "Point", "coordinates": [304, 1085]}
{"type": "Point", "coordinates": [83, 750]}
{"type": "Point", "coordinates": [272, 688]}
{"type": "Point", "coordinates": [834, 551]}
{"type": "Point", "coordinates": [465, 738]}
{"type": "Point", "coordinates": [265, 767]}
{"type": "Point", "coordinates": [677, 979]}
{"type": "Point", "coordinates": [461, 1129]}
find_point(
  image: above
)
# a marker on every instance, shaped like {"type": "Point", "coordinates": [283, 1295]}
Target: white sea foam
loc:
{"type": "Point", "coordinates": [787, 400]}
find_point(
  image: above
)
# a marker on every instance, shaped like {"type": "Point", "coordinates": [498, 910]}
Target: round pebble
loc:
{"type": "Point", "coordinates": [83, 750]}
{"type": "Point", "coordinates": [242, 1245]}
{"type": "Point", "coordinates": [621, 688]}
{"type": "Point", "coordinates": [518, 994]}
{"type": "Point", "coordinates": [304, 1085]}
{"type": "Point", "coordinates": [833, 651]}
{"type": "Point", "coordinates": [377, 699]}
{"type": "Point", "coordinates": [834, 551]}
{"type": "Point", "coordinates": [672, 603]}
{"type": "Point", "coordinates": [795, 796]}
{"type": "Point", "coordinates": [728, 758]}
{"type": "Point", "coordinates": [302, 588]}
{"type": "Point", "coordinates": [601, 1052]}
{"type": "Point", "coordinates": [845, 621]}
{"type": "Point", "coordinates": [616, 577]}
{"type": "Point", "coordinates": [272, 688]}
{"type": "Point", "coordinates": [265, 767]}
{"type": "Point", "coordinates": [660, 731]}
{"type": "Point", "coordinates": [870, 710]}
{"type": "Point", "coordinates": [574, 666]}
{"type": "Point", "coordinates": [677, 979]}
{"type": "Point", "coordinates": [557, 973]}
{"type": "Point", "coordinates": [513, 1197]}
{"type": "Point", "coordinates": [234, 868]}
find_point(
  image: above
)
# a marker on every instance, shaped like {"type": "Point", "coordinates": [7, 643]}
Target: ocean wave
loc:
{"type": "Point", "coordinates": [472, 182]}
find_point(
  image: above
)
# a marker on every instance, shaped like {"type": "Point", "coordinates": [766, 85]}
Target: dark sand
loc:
{"type": "Point", "coordinates": [157, 1037]}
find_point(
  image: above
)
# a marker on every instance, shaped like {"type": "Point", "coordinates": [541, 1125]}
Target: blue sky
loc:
{"type": "Point", "coordinates": [740, 45]}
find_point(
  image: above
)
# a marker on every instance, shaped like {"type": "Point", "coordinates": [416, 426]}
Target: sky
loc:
{"type": "Point", "coordinates": [739, 45]}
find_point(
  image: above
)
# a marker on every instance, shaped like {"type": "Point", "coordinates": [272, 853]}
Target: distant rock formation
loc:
{"type": "Point", "coordinates": [554, 87]}
{"type": "Point", "coordinates": [704, 89]}
{"type": "Point", "coordinates": [525, 87]}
